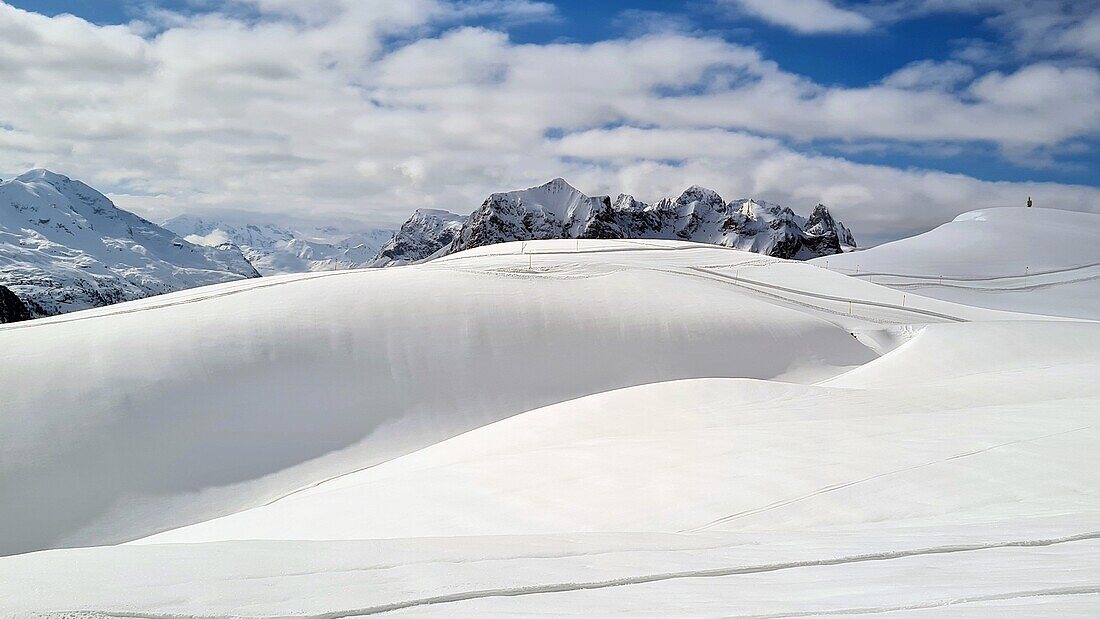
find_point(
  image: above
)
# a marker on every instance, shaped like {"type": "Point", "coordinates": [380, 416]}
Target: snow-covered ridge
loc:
{"type": "Point", "coordinates": [64, 246]}
{"type": "Point", "coordinates": [557, 210]}
{"type": "Point", "coordinates": [275, 249]}
{"type": "Point", "coordinates": [994, 257]}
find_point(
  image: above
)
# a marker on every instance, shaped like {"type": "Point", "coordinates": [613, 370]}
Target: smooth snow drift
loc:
{"type": "Point", "coordinates": [229, 396]}
{"type": "Point", "coordinates": [561, 427]}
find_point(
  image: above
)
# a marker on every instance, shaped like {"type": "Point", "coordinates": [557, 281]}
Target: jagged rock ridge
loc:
{"type": "Point", "coordinates": [557, 210]}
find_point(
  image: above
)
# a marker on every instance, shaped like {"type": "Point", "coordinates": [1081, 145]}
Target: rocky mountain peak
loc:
{"type": "Point", "coordinates": [557, 210]}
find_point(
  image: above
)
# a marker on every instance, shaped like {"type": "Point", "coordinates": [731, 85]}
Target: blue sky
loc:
{"type": "Point", "coordinates": [968, 88]}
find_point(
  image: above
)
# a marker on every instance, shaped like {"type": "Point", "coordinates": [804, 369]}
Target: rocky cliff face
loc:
{"type": "Point", "coordinates": [64, 246]}
{"type": "Point", "coordinates": [425, 233]}
{"type": "Point", "coordinates": [11, 308]}
{"type": "Point", "coordinates": [557, 210]}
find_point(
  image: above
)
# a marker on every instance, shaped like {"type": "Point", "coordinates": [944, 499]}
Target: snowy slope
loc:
{"type": "Point", "coordinates": [64, 247]}
{"type": "Point", "coordinates": [597, 427]}
{"type": "Point", "coordinates": [275, 249]}
{"type": "Point", "coordinates": [682, 455]}
{"type": "Point", "coordinates": [557, 210]}
{"type": "Point", "coordinates": [1044, 261]}
{"type": "Point", "coordinates": [289, 379]}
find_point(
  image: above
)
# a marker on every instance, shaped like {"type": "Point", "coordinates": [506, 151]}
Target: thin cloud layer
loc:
{"type": "Point", "coordinates": [807, 16]}
{"type": "Point", "coordinates": [340, 108]}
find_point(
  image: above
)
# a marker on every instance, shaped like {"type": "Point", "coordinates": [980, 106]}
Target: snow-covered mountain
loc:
{"type": "Point", "coordinates": [64, 246]}
{"type": "Point", "coordinates": [275, 249]}
{"type": "Point", "coordinates": [423, 234]}
{"type": "Point", "coordinates": [557, 210]}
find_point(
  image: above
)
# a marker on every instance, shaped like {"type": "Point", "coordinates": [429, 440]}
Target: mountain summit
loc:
{"type": "Point", "coordinates": [65, 246]}
{"type": "Point", "coordinates": [557, 210]}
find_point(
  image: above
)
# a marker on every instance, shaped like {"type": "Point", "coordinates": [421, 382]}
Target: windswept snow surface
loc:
{"type": "Point", "coordinates": [1043, 261]}
{"type": "Point", "coordinates": [562, 427]}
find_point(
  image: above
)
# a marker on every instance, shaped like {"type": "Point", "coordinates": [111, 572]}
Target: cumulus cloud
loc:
{"type": "Point", "coordinates": [805, 16]}
{"type": "Point", "coordinates": [369, 109]}
{"type": "Point", "coordinates": [881, 202]}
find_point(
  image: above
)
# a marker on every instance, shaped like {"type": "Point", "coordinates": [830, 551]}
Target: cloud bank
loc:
{"type": "Point", "coordinates": [368, 109]}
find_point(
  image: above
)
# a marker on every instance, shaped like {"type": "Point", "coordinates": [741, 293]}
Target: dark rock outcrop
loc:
{"type": "Point", "coordinates": [11, 308]}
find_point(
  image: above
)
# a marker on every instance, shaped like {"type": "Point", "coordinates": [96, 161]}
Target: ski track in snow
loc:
{"type": "Point", "coordinates": [565, 587]}
{"type": "Point", "coordinates": [741, 281]}
{"type": "Point", "coordinates": [964, 278]}
{"type": "Point", "coordinates": [849, 484]}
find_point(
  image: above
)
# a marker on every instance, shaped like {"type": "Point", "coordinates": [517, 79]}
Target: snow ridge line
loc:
{"type": "Point", "coordinates": [45, 322]}
{"type": "Point", "coordinates": [641, 247]}
{"type": "Point", "coordinates": [463, 596]}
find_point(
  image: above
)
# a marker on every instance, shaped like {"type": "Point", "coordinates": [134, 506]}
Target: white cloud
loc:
{"type": "Point", "coordinates": [1030, 28]}
{"type": "Point", "coordinates": [928, 74]}
{"type": "Point", "coordinates": [805, 16]}
{"type": "Point", "coordinates": [879, 202]}
{"type": "Point", "coordinates": [371, 109]}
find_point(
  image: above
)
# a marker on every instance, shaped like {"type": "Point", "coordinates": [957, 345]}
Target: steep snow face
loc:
{"type": "Point", "coordinates": [422, 235]}
{"type": "Point", "coordinates": [275, 249]}
{"type": "Point", "coordinates": [998, 258]}
{"type": "Point", "coordinates": [557, 210]}
{"type": "Point", "coordinates": [64, 246]}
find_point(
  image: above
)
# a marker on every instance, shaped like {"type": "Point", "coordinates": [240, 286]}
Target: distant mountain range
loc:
{"type": "Point", "coordinates": [275, 249]}
{"type": "Point", "coordinates": [64, 246]}
{"type": "Point", "coordinates": [557, 210]}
